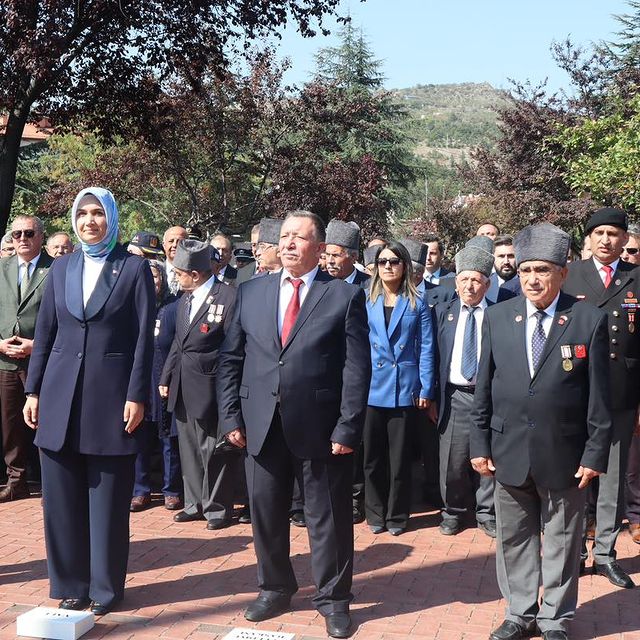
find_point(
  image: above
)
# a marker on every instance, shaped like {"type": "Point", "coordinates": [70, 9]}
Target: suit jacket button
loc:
{"type": "Point", "coordinates": [80, 355]}
{"type": "Point", "coordinates": [531, 424]}
{"type": "Point", "coordinates": [531, 392]}
{"type": "Point", "coordinates": [613, 356]}
{"type": "Point", "coordinates": [614, 328]}
{"type": "Point", "coordinates": [616, 314]}
{"type": "Point", "coordinates": [281, 363]}
{"type": "Point", "coordinates": [614, 341]}
{"type": "Point", "coordinates": [393, 364]}
{"type": "Point", "coordinates": [274, 393]}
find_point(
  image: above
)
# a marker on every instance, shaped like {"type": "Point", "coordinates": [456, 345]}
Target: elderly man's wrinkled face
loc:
{"type": "Point", "coordinates": [339, 261]}
{"type": "Point", "coordinates": [59, 245]}
{"type": "Point", "coordinates": [170, 240]}
{"type": "Point", "coordinates": [27, 239]}
{"type": "Point", "coordinates": [541, 281]}
{"type": "Point", "coordinates": [488, 229]}
{"type": "Point", "coordinates": [471, 287]}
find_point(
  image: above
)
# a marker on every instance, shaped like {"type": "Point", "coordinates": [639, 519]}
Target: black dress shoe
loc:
{"type": "Point", "coordinates": [614, 573]}
{"type": "Point", "coordinates": [449, 527]}
{"type": "Point", "coordinates": [377, 529]}
{"type": "Point", "coordinates": [338, 625]}
{"type": "Point", "coordinates": [297, 519]}
{"type": "Point", "coordinates": [99, 609]}
{"type": "Point", "coordinates": [218, 523]}
{"type": "Point", "coordinates": [509, 630]}
{"type": "Point", "coordinates": [488, 527]}
{"type": "Point", "coordinates": [358, 513]}
{"type": "Point", "coordinates": [554, 634]}
{"type": "Point", "coordinates": [583, 567]}
{"type": "Point", "coordinates": [74, 604]}
{"type": "Point", "coordinates": [245, 516]}
{"type": "Point", "coordinates": [183, 516]}
{"type": "Point", "coordinates": [396, 531]}
{"type": "Point", "coordinates": [263, 608]}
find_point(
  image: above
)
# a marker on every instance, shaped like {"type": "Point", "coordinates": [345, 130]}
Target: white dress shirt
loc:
{"type": "Point", "coordinates": [199, 295]}
{"type": "Point", "coordinates": [21, 267]}
{"type": "Point", "coordinates": [91, 270]}
{"type": "Point", "coordinates": [351, 277]}
{"type": "Point", "coordinates": [532, 321]}
{"type": "Point", "coordinates": [286, 292]}
{"type": "Point", "coordinates": [455, 370]}
{"type": "Point", "coordinates": [602, 271]}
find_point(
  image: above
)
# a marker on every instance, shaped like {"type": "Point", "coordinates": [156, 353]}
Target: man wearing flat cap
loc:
{"type": "Point", "coordinates": [267, 252]}
{"type": "Point", "coordinates": [614, 286]}
{"type": "Point", "coordinates": [188, 381]}
{"type": "Point", "coordinates": [459, 324]}
{"type": "Point", "coordinates": [542, 428]}
{"type": "Point", "coordinates": [341, 253]}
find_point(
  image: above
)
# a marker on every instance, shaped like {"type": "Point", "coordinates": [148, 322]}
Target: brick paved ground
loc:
{"type": "Point", "coordinates": [186, 582]}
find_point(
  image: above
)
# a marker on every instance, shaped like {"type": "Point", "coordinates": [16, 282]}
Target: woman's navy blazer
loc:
{"type": "Point", "coordinates": [402, 356]}
{"type": "Point", "coordinates": [87, 362]}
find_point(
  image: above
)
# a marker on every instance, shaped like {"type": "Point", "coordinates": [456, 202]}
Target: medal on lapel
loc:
{"type": "Point", "coordinates": [210, 312]}
{"type": "Point", "coordinates": [219, 310]}
{"type": "Point", "coordinates": [580, 351]}
{"type": "Point", "coordinates": [156, 331]}
{"type": "Point", "coordinates": [204, 328]}
{"type": "Point", "coordinates": [565, 352]}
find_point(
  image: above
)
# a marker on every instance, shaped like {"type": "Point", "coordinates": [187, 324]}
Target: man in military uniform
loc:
{"type": "Point", "coordinates": [613, 285]}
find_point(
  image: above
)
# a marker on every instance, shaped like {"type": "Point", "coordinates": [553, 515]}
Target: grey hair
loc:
{"type": "Point", "coordinates": [39, 224]}
{"type": "Point", "coordinates": [7, 239]}
{"type": "Point", "coordinates": [318, 224]}
{"type": "Point", "coordinates": [418, 268]}
{"type": "Point", "coordinates": [58, 233]}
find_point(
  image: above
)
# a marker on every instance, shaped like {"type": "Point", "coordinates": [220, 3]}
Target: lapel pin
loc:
{"type": "Point", "coordinates": [629, 294]}
{"type": "Point", "coordinates": [115, 271]}
{"type": "Point", "coordinates": [450, 317]}
{"type": "Point", "coordinates": [204, 328]}
{"type": "Point", "coordinates": [617, 282]}
{"type": "Point", "coordinates": [562, 320]}
{"type": "Point", "coordinates": [209, 300]}
{"type": "Point", "coordinates": [40, 271]}
{"type": "Point", "coordinates": [518, 318]}
{"type": "Point", "coordinates": [581, 296]}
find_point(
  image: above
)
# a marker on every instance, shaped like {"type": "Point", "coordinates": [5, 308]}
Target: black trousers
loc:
{"type": "Point", "coordinates": [387, 465]}
{"type": "Point", "coordinates": [326, 485]}
{"type": "Point", "coordinates": [86, 523]}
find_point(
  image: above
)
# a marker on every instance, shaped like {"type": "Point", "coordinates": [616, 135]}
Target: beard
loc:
{"type": "Point", "coordinates": [506, 273]}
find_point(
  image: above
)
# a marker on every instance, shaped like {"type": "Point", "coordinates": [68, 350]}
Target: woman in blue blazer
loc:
{"type": "Point", "coordinates": [402, 382]}
{"type": "Point", "coordinates": [87, 385]}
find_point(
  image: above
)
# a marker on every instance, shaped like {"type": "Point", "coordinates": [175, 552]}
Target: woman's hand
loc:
{"type": "Point", "coordinates": [133, 415]}
{"type": "Point", "coordinates": [30, 411]}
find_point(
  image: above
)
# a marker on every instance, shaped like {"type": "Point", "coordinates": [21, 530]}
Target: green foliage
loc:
{"type": "Point", "coordinates": [601, 156]}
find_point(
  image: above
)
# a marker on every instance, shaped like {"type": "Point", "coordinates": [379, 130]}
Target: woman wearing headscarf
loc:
{"type": "Point", "coordinates": [159, 423]}
{"type": "Point", "coordinates": [402, 381]}
{"type": "Point", "coordinates": [88, 380]}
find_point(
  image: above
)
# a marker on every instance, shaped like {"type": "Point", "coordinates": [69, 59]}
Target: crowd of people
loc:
{"type": "Point", "coordinates": [295, 379]}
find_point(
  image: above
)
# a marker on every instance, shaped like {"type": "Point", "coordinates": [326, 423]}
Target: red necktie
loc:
{"type": "Point", "coordinates": [608, 273]}
{"type": "Point", "coordinates": [293, 309]}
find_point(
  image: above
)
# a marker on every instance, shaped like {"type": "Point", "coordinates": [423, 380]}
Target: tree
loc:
{"type": "Point", "coordinates": [103, 59]}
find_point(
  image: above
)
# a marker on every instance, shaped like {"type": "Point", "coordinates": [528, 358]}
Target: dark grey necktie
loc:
{"type": "Point", "coordinates": [24, 282]}
{"type": "Point", "coordinates": [185, 322]}
{"type": "Point", "coordinates": [470, 346]}
{"type": "Point", "coordinates": [538, 339]}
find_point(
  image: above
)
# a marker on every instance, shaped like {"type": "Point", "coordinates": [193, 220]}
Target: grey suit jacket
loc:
{"type": "Point", "coordinates": [20, 314]}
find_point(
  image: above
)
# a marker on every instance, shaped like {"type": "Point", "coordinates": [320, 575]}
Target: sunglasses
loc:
{"type": "Point", "coordinates": [27, 233]}
{"type": "Point", "coordinates": [631, 250]}
{"type": "Point", "coordinates": [394, 262]}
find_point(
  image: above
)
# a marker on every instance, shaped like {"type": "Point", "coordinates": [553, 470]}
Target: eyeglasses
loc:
{"type": "Point", "coordinates": [27, 233]}
{"type": "Point", "coordinates": [541, 272]}
{"type": "Point", "coordinates": [394, 262]}
{"type": "Point", "coordinates": [631, 250]}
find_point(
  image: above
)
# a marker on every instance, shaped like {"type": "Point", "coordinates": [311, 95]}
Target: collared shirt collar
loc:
{"type": "Point", "coordinates": [307, 278]}
{"type": "Point", "coordinates": [599, 264]}
{"type": "Point", "coordinates": [198, 295]}
{"type": "Point", "coordinates": [33, 261]}
{"type": "Point", "coordinates": [550, 310]}
{"type": "Point", "coordinates": [481, 305]}
{"type": "Point", "coordinates": [352, 276]}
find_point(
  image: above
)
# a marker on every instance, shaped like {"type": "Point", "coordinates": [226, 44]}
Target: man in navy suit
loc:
{"type": "Point", "coordinates": [459, 323]}
{"type": "Point", "coordinates": [542, 427]}
{"type": "Point", "coordinates": [293, 378]}
{"type": "Point", "coordinates": [504, 275]}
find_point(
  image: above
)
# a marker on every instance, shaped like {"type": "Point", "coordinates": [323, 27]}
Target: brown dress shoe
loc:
{"type": "Point", "coordinates": [634, 531]}
{"type": "Point", "coordinates": [172, 503]}
{"type": "Point", "coordinates": [14, 492]}
{"type": "Point", "coordinates": [140, 503]}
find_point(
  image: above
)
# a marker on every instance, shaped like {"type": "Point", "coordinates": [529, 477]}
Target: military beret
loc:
{"type": "Point", "coordinates": [474, 259]}
{"type": "Point", "coordinates": [607, 216]}
{"type": "Point", "coordinates": [270, 230]}
{"type": "Point", "coordinates": [417, 250]}
{"type": "Point", "coordinates": [343, 234]}
{"type": "Point", "coordinates": [542, 241]}
{"type": "Point", "coordinates": [193, 255]}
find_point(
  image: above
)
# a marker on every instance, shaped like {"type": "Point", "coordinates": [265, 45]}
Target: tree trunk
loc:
{"type": "Point", "coordinates": [9, 152]}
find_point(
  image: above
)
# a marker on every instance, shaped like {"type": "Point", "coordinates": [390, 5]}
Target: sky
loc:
{"type": "Point", "coordinates": [452, 41]}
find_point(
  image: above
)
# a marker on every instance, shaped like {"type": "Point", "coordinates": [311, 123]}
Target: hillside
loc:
{"type": "Point", "coordinates": [447, 120]}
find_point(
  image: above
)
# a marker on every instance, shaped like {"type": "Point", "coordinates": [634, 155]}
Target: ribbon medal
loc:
{"type": "Point", "coordinates": [219, 310]}
{"type": "Point", "coordinates": [565, 352]}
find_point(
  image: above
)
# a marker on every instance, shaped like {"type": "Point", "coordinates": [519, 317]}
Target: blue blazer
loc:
{"type": "Point", "coordinates": [402, 356]}
{"type": "Point", "coordinates": [87, 362]}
